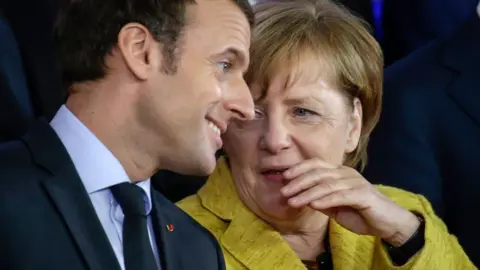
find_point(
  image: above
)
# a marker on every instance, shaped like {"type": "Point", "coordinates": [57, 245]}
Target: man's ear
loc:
{"type": "Point", "coordinates": [354, 126]}
{"type": "Point", "coordinates": [139, 49]}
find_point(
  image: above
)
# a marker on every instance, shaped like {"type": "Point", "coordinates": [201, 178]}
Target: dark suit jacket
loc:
{"type": "Point", "coordinates": [428, 138]}
{"type": "Point", "coordinates": [410, 24]}
{"type": "Point", "coordinates": [48, 222]}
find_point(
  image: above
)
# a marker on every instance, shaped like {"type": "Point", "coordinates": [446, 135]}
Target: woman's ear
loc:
{"type": "Point", "coordinates": [354, 129]}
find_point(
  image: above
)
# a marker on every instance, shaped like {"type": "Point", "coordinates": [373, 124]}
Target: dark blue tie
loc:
{"type": "Point", "coordinates": [137, 249]}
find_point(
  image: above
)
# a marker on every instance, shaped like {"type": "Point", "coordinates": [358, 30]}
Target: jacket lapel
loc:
{"type": "Point", "coordinates": [250, 240]}
{"type": "Point", "coordinates": [462, 55]}
{"type": "Point", "coordinates": [169, 242]}
{"type": "Point", "coordinates": [69, 196]}
{"type": "Point", "coordinates": [257, 245]}
{"type": "Point", "coordinates": [344, 246]}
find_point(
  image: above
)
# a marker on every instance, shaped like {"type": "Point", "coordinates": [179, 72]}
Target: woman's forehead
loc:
{"type": "Point", "coordinates": [304, 74]}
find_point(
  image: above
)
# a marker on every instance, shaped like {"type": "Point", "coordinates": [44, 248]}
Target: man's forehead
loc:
{"type": "Point", "coordinates": [217, 23]}
{"type": "Point", "coordinates": [207, 9]}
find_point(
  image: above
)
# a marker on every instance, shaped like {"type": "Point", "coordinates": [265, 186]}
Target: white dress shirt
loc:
{"type": "Point", "coordinates": [99, 169]}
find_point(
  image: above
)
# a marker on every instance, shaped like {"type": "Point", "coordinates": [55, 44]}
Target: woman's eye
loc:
{"type": "Point", "coordinates": [258, 114]}
{"type": "Point", "coordinates": [303, 112]}
{"type": "Point", "coordinates": [224, 66]}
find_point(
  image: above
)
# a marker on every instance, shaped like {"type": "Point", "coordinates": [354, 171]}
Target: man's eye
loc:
{"type": "Point", "coordinates": [224, 66]}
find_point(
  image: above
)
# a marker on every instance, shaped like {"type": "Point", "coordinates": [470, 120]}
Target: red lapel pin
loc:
{"type": "Point", "coordinates": [170, 227]}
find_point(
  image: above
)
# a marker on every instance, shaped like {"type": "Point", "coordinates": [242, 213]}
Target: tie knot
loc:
{"type": "Point", "coordinates": [131, 198]}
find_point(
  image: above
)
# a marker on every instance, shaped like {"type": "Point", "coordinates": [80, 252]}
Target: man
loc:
{"type": "Point", "coordinates": [428, 137]}
{"type": "Point", "coordinates": [152, 85]}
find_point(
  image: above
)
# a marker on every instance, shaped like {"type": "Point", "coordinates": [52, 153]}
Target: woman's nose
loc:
{"type": "Point", "coordinates": [275, 137]}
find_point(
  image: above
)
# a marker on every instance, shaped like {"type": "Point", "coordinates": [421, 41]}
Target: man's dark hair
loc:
{"type": "Point", "coordinates": [87, 30]}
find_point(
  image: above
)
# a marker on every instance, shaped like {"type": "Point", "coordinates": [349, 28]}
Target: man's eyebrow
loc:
{"type": "Point", "coordinates": [239, 55]}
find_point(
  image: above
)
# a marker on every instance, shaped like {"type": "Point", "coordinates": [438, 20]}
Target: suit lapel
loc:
{"type": "Point", "coordinates": [462, 55]}
{"type": "Point", "coordinates": [70, 198]}
{"type": "Point", "coordinates": [465, 91]}
{"type": "Point", "coordinates": [169, 243]}
{"type": "Point", "coordinates": [80, 217]}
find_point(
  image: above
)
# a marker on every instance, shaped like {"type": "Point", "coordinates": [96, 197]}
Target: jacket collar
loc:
{"type": "Point", "coordinates": [68, 195]}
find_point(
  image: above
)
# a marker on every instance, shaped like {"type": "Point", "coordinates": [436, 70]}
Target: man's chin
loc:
{"type": "Point", "coordinates": [204, 167]}
{"type": "Point", "coordinates": [209, 166]}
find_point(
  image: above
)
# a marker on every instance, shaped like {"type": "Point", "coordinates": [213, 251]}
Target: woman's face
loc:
{"type": "Point", "coordinates": [301, 117]}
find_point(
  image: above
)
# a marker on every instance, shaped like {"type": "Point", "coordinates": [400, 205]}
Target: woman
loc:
{"type": "Point", "coordinates": [287, 196]}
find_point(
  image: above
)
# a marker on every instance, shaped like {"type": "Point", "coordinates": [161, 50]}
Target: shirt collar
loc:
{"type": "Point", "coordinates": [95, 164]}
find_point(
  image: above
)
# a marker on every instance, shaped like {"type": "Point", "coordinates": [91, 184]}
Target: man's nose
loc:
{"type": "Point", "coordinates": [239, 102]}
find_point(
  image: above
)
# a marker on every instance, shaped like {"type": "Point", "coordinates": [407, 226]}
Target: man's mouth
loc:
{"type": "Point", "coordinates": [217, 128]}
{"type": "Point", "coordinates": [214, 127]}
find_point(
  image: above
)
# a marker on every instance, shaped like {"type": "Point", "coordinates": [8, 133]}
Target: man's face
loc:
{"type": "Point", "coordinates": [189, 110]}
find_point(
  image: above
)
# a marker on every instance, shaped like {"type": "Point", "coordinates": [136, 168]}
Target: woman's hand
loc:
{"type": "Point", "coordinates": [344, 195]}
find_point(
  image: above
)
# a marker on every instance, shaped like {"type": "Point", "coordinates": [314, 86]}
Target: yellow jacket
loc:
{"type": "Point", "coordinates": [249, 243]}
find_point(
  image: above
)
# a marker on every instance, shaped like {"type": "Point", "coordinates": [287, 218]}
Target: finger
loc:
{"type": "Point", "coordinates": [357, 198]}
{"type": "Point", "coordinates": [309, 180]}
{"type": "Point", "coordinates": [306, 166]}
{"type": "Point", "coordinates": [317, 192]}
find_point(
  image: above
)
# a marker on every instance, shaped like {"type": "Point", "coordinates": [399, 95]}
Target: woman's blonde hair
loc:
{"type": "Point", "coordinates": [288, 32]}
